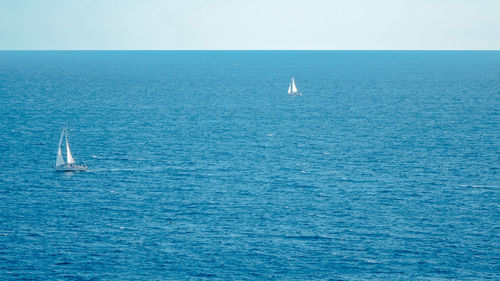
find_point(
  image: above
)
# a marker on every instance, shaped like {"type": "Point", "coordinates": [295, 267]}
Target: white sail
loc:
{"type": "Point", "coordinates": [60, 160]}
{"type": "Point", "coordinates": [290, 88]}
{"type": "Point", "coordinates": [294, 88]}
{"type": "Point", "coordinates": [68, 152]}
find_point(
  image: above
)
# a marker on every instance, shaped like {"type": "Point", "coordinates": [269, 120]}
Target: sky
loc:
{"type": "Point", "coordinates": [249, 25]}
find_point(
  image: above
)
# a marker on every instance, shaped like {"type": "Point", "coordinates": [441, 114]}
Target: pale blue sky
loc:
{"type": "Point", "coordinates": [256, 24]}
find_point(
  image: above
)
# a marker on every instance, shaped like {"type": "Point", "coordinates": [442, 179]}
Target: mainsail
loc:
{"type": "Point", "coordinates": [68, 152]}
{"type": "Point", "coordinates": [294, 88]}
{"type": "Point", "coordinates": [60, 160]}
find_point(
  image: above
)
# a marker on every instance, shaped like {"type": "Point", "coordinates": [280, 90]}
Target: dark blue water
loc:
{"type": "Point", "coordinates": [202, 167]}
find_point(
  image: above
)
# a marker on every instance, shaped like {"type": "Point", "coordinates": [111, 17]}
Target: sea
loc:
{"type": "Point", "coordinates": [202, 167]}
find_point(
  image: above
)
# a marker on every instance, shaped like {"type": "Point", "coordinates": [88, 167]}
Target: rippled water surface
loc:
{"type": "Point", "coordinates": [202, 167]}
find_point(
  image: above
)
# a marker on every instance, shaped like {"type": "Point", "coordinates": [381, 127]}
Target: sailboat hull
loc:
{"type": "Point", "coordinates": [71, 168]}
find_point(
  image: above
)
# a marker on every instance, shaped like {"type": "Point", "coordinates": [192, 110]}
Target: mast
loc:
{"type": "Point", "coordinates": [68, 152]}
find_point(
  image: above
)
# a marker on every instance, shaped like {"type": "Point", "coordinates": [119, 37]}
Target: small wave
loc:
{"type": "Point", "coordinates": [308, 237]}
{"type": "Point", "coordinates": [205, 275]}
{"type": "Point", "coordinates": [480, 186]}
{"type": "Point", "coordinates": [476, 186]}
{"type": "Point", "coordinates": [370, 260]}
{"type": "Point", "coordinates": [113, 170]}
{"type": "Point", "coordinates": [119, 158]}
{"type": "Point", "coordinates": [330, 173]}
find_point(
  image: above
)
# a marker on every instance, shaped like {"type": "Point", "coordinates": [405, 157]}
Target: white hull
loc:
{"type": "Point", "coordinates": [71, 168]}
{"type": "Point", "coordinates": [295, 94]}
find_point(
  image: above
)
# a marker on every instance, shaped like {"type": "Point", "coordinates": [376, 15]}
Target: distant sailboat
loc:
{"type": "Point", "coordinates": [70, 164]}
{"type": "Point", "coordinates": [292, 89]}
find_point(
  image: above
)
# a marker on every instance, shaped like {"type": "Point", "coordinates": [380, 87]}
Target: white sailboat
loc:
{"type": "Point", "coordinates": [292, 89]}
{"type": "Point", "coordinates": [70, 164]}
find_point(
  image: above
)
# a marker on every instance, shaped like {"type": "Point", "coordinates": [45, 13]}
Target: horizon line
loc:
{"type": "Point", "coordinates": [250, 50]}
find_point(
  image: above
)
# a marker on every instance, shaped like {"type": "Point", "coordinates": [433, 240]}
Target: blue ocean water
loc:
{"type": "Point", "coordinates": [202, 167]}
